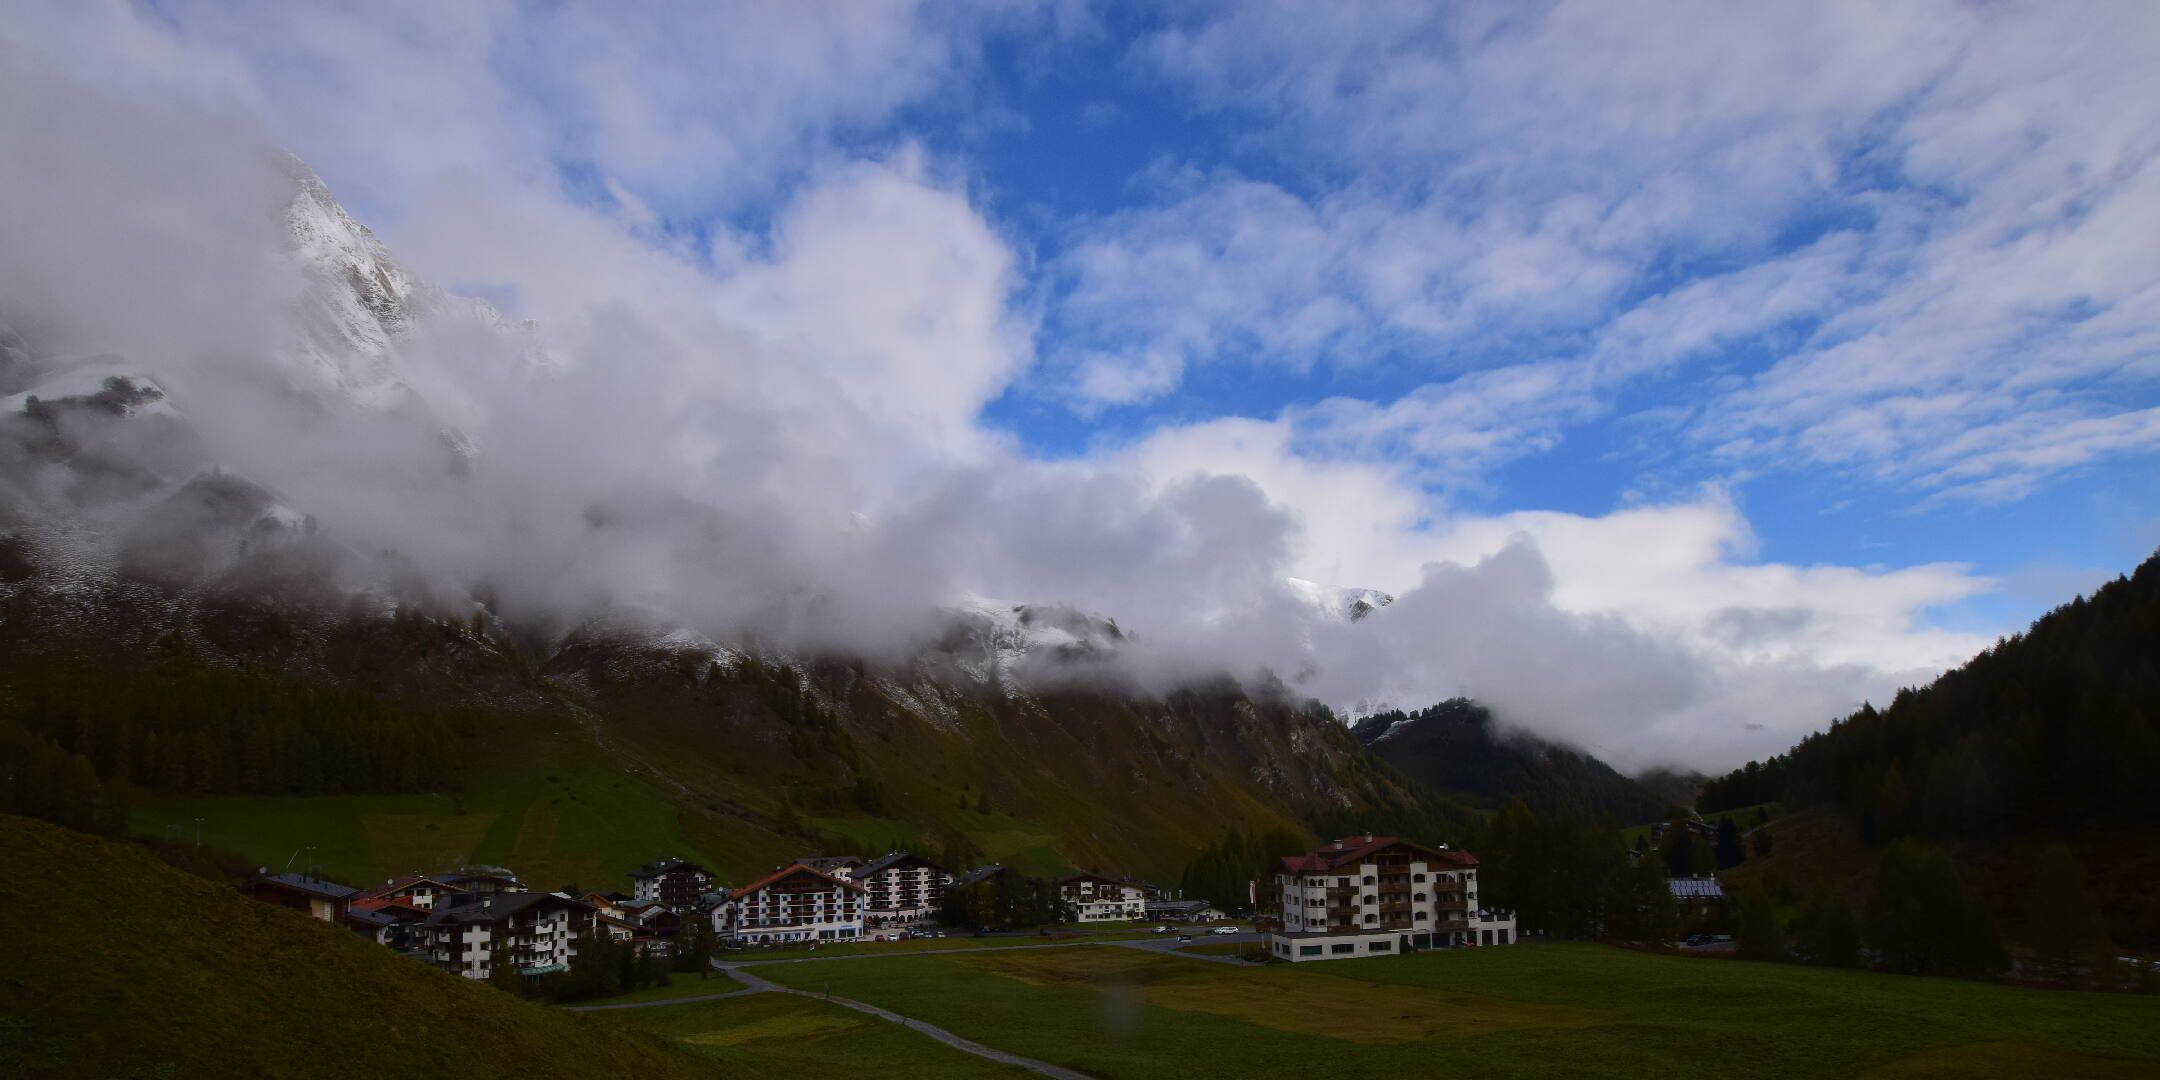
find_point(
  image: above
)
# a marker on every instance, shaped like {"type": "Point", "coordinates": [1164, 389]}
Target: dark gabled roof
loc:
{"type": "Point", "coordinates": [1354, 850]}
{"type": "Point", "coordinates": [372, 919]}
{"type": "Point", "coordinates": [667, 866]}
{"type": "Point", "coordinates": [1174, 906]}
{"type": "Point", "coordinates": [500, 906]}
{"type": "Point", "coordinates": [981, 872]}
{"type": "Point", "coordinates": [895, 858]}
{"type": "Point", "coordinates": [1069, 879]}
{"type": "Point", "coordinates": [313, 886]}
{"type": "Point", "coordinates": [792, 869]}
{"type": "Point", "coordinates": [398, 884]}
{"type": "Point", "coordinates": [828, 863]}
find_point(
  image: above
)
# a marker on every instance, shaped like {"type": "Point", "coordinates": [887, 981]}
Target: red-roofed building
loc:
{"type": "Point", "coordinates": [792, 904]}
{"type": "Point", "coordinates": [415, 890]}
{"type": "Point", "coordinates": [1379, 896]}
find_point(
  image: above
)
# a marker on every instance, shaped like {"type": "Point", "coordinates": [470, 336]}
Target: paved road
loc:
{"type": "Point", "coordinates": [1043, 1068]}
{"type": "Point", "coordinates": [1168, 945]}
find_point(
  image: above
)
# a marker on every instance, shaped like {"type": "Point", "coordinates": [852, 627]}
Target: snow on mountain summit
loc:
{"type": "Point", "coordinates": [1346, 604]}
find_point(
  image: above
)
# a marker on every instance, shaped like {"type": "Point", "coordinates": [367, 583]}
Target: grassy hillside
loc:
{"type": "Point", "coordinates": [576, 759]}
{"type": "Point", "coordinates": [120, 966]}
{"type": "Point", "coordinates": [1523, 1011]}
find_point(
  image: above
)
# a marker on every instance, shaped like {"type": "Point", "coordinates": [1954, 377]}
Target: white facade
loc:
{"type": "Point", "coordinates": [797, 904]}
{"type": "Point", "coordinates": [901, 890]}
{"type": "Point", "coordinates": [1379, 896]}
{"type": "Point", "coordinates": [537, 936]}
{"type": "Point", "coordinates": [1099, 899]}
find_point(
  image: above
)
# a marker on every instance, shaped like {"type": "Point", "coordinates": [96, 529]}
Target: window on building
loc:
{"type": "Point", "coordinates": [1343, 947]}
{"type": "Point", "coordinates": [1382, 946]}
{"type": "Point", "coordinates": [1308, 950]}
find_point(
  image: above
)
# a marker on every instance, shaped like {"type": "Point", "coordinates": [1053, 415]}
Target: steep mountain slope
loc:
{"type": "Point", "coordinates": [155, 972]}
{"type": "Point", "coordinates": [740, 759]}
{"type": "Point", "coordinates": [2050, 736]}
{"type": "Point", "coordinates": [1454, 747]}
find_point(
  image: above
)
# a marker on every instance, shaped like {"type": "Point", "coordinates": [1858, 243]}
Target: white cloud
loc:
{"type": "Point", "coordinates": [1606, 192]}
{"type": "Point", "coordinates": [776, 430]}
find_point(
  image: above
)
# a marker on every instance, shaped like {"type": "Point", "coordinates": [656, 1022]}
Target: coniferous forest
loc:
{"type": "Point", "coordinates": [2052, 729]}
{"type": "Point", "coordinates": [79, 733]}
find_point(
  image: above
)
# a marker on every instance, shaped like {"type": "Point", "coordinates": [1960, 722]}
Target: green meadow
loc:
{"type": "Point", "coordinates": [555, 824]}
{"type": "Point", "coordinates": [1527, 1011]}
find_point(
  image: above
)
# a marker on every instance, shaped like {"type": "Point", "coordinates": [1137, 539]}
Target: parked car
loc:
{"type": "Point", "coordinates": [1166, 930]}
{"type": "Point", "coordinates": [1697, 940]}
{"type": "Point", "coordinates": [1184, 937]}
{"type": "Point", "coordinates": [1224, 930]}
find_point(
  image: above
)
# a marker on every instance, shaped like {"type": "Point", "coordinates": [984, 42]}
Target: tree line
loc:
{"type": "Point", "coordinates": [2050, 729]}
{"type": "Point", "coordinates": [78, 735]}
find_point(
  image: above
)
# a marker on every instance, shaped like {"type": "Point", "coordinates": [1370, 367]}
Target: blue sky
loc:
{"type": "Point", "coordinates": [1837, 318]}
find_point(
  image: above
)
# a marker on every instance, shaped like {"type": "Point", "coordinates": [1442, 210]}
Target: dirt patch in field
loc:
{"type": "Point", "coordinates": [2011, 1060]}
{"type": "Point", "coordinates": [1357, 1011]}
{"type": "Point", "coordinates": [1082, 966]}
{"type": "Point", "coordinates": [809, 1025]}
{"type": "Point", "coordinates": [1303, 1002]}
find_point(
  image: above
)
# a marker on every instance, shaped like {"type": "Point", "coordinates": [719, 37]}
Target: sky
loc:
{"type": "Point", "coordinates": [1689, 372]}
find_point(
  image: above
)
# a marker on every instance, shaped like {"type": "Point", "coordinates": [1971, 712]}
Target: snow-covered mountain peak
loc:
{"type": "Point", "coordinates": [1348, 605]}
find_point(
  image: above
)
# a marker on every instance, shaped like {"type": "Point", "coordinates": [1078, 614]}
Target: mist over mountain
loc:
{"type": "Point", "coordinates": [217, 379]}
{"type": "Point", "coordinates": [1456, 747]}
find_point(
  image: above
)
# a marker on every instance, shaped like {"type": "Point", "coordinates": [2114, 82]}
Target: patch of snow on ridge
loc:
{"type": "Point", "coordinates": [993, 639]}
{"type": "Point", "coordinates": [1347, 605]}
{"type": "Point", "coordinates": [361, 305]}
{"type": "Point", "coordinates": [105, 382]}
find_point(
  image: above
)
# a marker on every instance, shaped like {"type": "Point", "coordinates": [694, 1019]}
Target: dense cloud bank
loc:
{"type": "Point", "coordinates": [780, 442]}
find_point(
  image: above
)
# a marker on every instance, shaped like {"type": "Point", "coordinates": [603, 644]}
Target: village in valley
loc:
{"type": "Point", "coordinates": [1359, 896]}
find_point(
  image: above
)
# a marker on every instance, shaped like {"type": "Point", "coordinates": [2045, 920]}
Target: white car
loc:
{"type": "Point", "coordinates": [1164, 930]}
{"type": "Point", "coordinates": [1225, 930]}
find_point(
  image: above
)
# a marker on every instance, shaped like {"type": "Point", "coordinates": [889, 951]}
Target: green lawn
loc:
{"type": "Point", "coordinates": [785, 1035]}
{"type": "Point", "coordinates": [1527, 1011]}
{"type": "Point", "coordinates": [552, 824]}
{"type": "Point", "coordinates": [684, 986]}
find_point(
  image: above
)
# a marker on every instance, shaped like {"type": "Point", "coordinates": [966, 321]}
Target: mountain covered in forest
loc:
{"type": "Point", "coordinates": [1459, 748]}
{"type": "Point", "coordinates": [2051, 737]}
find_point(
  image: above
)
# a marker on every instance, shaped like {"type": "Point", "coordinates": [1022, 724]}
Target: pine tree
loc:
{"type": "Point", "coordinates": [1826, 932]}
{"type": "Point", "coordinates": [1730, 852]}
{"type": "Point", "coordinates": [1759, 937]}
{"type": "Point", "coordinates": [1923, 920]}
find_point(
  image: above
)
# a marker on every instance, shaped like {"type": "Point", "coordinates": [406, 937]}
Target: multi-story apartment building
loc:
{"type": "Point", "coordinates": [1376, 896]}
{"type": "Point", "coordinates": [1094, 898]}
{"type": "Point", "coordinates": [900, 889]}
{"type": "Point", "coordinates": [673, 882]}
{"type": "Point", "coordinates": [793, 903]}
{"type": "Point", "coordinates": [536, 932]}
